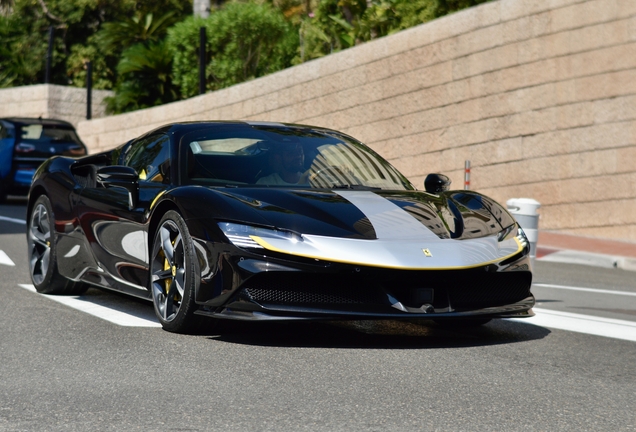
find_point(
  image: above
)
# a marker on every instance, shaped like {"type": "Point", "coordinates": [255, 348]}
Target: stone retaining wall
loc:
{"type": "Point", "coordinates": [540, 96]}
{"type": "Point", "coordinates": [51, 101]}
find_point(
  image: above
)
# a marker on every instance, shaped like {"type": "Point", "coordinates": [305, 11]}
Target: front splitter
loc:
{"type": "Point", "coordinates": [521, 309]}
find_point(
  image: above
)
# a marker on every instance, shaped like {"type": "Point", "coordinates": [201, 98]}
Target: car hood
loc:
{"type": "Point", "coordinates": [389, 229]}
{"type": "Point", "coordinates": [370, 214]}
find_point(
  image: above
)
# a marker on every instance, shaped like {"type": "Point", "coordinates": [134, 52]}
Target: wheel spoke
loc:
{"type": "Point", "coordinates": [33, 261]}
{"type": "Point", "coordinates": [39, 237]}
{"type": "Point", "coordinates": [160, 275]}
{"type": "Point", "coordinates": [166, 245]}
{"type": "Point", "coordinates": [44, 223]}
{"type": "Point", "coordinates": [179, 281]}
{"type": "Point", "coordinates": [170, 306]}
{"type": "Point", "coordinates": [45, 260]}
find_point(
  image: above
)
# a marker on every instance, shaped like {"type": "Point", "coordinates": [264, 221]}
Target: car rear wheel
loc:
{"type": "Point", "coordinates": [173, 275]}
{"type": "Point", "coordinates": [41, 238]}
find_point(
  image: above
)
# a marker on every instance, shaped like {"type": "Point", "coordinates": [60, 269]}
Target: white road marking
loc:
{"type": "Point", "coordinates": [8, 219]}
{"type": "Point", "coordinates": [121, 318]}
{"type": "Point", "coordinates": [594, 290]}
{"type": "Point", "coordinates": [606, 327]}
{"type": "Point", "coordinates": [4, 259]}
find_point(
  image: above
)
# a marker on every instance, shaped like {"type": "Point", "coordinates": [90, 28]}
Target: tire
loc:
{"type": "Point", "coordinates": [173, 275]}
{"type": "Point", "coordinates": [41, 241]}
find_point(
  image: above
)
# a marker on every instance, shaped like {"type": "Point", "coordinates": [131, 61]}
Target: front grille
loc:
{"type": "Point", "coordinates": [462, 290]}
{"type": "Point", "coordinates": [319, 289]}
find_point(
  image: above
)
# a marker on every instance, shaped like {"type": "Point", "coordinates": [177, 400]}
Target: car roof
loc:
{"type": "Point", "coordinates": [196, 125]}
{"type": "Point", "coordinates": [39, 120]}
{"type": "Point", "coordinates": [182, 128]}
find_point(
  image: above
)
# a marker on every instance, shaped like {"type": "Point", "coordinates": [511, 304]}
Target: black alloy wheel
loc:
{"type": "Point", "coordinates": [173, 275]}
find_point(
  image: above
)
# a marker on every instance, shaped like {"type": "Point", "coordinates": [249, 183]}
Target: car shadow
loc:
{"type": "Point", "coordinates": [373, 334]}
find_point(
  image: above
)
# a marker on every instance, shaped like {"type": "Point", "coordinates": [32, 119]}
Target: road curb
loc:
{"type": "Point", "coordinates": [590, 259]}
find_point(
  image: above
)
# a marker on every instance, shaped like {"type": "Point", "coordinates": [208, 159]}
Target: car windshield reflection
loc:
{"type": "Point", "coordinates": [288, 157]}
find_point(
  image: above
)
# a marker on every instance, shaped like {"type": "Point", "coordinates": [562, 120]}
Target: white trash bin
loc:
{"type": "Point", "coordinates": [525, 212]}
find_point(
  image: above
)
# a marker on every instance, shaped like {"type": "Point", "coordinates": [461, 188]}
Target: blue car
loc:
{"type": "Point", "coordinates": [27, 142]}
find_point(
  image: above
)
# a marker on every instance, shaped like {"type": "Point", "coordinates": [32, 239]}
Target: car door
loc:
{"type": "Point", "coordinates": [117, 222]}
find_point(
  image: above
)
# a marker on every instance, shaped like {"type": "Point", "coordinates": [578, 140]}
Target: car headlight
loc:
{"type": "Point", "coordinates": [514, 231]}
{"type": "Point", "coordinates": [243, 235]}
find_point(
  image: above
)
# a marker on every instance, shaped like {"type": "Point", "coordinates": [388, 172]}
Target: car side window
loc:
{"type": "Point", "coordinates": [5, 132]}
{"type": "Point", "coordinates": [150, 157]}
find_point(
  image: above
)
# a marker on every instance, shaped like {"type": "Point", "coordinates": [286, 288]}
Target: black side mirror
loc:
{"type": "Point", "coordinates": [120, 176]}
{"type": "Point", "coordinates": [436, 183]}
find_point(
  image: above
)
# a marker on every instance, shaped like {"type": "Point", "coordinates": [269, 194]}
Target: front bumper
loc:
{"type": "Point", "coordinates": [522, 309]}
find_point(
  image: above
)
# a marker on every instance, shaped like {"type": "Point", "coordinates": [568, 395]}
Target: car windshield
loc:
{"type": "Point", "coordinates": [38, 133]}
{"type": "Point", "coordinates": [273, 156]}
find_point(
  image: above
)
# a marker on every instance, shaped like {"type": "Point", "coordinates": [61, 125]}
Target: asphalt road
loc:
{"type": "Point", "coordinates": [65, 369]}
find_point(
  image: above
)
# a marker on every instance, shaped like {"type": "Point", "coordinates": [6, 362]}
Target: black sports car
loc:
{"type": "Point", "coordinates": [270, 221]}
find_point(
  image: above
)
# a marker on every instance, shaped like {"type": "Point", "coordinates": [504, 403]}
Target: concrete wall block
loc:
{"type": "Point", "coordinates": [533, 122]}
{"type": "Point", "coordinates": [584, 14]}
{"type": "Point", "coordinates": [575, 115]}
{"type": "Point", "coordinates": [480, 39]}
{"type": "Point", "coordinates": [596, 62]}
{"type": "Point", "coordinates": [486, 61]}
{"type": "Point", "coordinates": [626, 233]}
{"type": "Point", "coordinates": [601, 86]}
{"type": "Point", "coordinates": [583, 215]}
{"type": "Point", "coordinates": [615, 109]}
{"type": "Point", "coordinates": [602, 162]}
{"type": "Point", "coordinates": [601, 136]}
{"type": "Point", "coordinates": [546, 144]}
{"type": "Point", "coordinates": [496, 152]}
{"type": "Point", "coordinates": [626, 163]}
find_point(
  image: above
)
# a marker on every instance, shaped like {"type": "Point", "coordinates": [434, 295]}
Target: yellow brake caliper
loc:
{"type": "Point", "coordinates": [173, 270]}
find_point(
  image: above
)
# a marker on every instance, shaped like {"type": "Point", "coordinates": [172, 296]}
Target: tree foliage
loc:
{"type": "Point", "coordinates": [340, 24]}
{"type": "Point", "coordinates": [244, 41]}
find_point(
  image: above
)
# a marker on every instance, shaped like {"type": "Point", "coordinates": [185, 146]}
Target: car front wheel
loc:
{"type": "Point", "coordinates": [173, 275]}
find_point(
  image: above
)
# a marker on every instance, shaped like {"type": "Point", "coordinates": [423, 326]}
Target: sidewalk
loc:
{"type": "Point", "coordinates": [572, 249]}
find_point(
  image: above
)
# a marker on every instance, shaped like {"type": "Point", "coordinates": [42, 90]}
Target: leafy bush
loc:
{"type": "Point", "coordinates": [145, 78]}
{"type": "Point", "coordinates": [244, 41]}
{"type": "Point", "coordinates": [340, 24]}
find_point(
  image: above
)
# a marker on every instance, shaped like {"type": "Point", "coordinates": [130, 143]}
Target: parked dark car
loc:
{"type": "Point", "coordinates": [207, 219]}
{"type": "Point", "coordinates": [27, 142]}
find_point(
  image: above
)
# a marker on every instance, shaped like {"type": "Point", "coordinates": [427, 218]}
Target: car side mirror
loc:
{"type": "Point", "coordinates": [119, 176]}
{"type": "Point", "coordinates": [436, 183]}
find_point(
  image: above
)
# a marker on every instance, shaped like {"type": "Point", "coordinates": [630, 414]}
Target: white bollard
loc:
{"type": "Point", "coordinates": [525, 212]}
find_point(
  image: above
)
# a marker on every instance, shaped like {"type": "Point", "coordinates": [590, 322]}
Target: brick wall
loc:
{"type": "Point", "coordinates": [51, 101]}
{"type": "Point", "coordinates": [540, 96]}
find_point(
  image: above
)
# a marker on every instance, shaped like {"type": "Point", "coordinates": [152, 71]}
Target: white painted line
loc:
{"type": "Point", "coordinates": [120, 318]}
{"type": "Point", "coordinates": [8, 219]}
{"type": "Point", "coordinates": [594, 290]}
{"type": "Point", "coordinates": [4, 259]}
{"type": "Point", "coordinates": [606, 327]}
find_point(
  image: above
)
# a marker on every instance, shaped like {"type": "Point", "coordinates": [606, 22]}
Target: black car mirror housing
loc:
{"type": "Point", "coordinates": [436, 183]}
{"type": "Point", "coordinates": [120, 176]}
